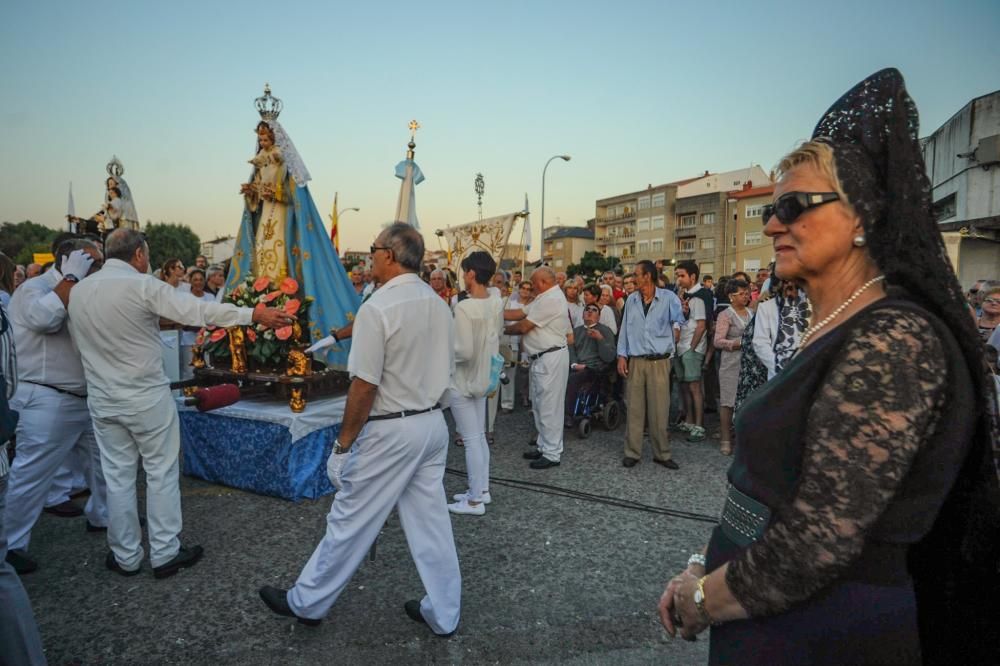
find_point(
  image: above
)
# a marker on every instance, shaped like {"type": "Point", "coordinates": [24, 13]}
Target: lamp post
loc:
{"type": "Point", "coordinates": [564, 158]}
{"type": "Point", "coordinates": [345, 210]}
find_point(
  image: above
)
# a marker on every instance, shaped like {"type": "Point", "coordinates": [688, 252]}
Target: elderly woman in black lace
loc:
{"type": "Point", "coordinates": [860, 525]}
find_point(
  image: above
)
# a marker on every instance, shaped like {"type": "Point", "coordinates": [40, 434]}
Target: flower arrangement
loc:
{"type": "Point", "coordinates": [266, 348]}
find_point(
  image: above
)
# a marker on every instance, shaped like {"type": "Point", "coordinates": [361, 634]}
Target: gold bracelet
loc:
{"type": "Point", "coordinates": [699, 602]}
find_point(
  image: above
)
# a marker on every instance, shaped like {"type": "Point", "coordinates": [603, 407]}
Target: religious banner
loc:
{"type": "Point", "coordinates": [489, 235]}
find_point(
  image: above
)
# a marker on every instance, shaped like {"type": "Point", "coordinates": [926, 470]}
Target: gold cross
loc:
{"type": "Point", "coordinates": [414, 126]}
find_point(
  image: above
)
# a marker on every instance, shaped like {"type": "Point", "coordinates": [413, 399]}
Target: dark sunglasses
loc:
{"type": "Point", "coordinates": [789, 206]}
{"type": "Point", "coordinates": [377, 247]}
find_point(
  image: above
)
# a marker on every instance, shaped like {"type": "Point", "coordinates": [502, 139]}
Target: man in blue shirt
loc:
{"type": "Point", "coordinates": [646, 342]}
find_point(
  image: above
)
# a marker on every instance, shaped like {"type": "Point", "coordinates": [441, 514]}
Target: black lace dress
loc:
{"type": "Point", "coordinates": [853, 447]}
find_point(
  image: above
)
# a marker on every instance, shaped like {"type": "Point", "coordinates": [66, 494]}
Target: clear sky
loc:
{"type": "Point", "coordinates": [637, 92]}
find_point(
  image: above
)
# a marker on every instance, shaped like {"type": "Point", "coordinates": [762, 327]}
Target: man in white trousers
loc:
{"type": "Point", "coordinates": [543, 326]}
{"type": "Point", "coordinates": [114, 320]}
{"type": "Point", "coordinates": [392, 446]}
{"type": "Point", "coordinates": [51, 398]}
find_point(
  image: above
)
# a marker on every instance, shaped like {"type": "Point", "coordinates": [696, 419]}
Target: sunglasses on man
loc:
{"type": "Point", "coordinates": [790, 205]}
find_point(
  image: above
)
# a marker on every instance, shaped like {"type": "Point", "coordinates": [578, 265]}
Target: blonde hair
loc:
{"type": "Point", "coordinates": [819, 155]}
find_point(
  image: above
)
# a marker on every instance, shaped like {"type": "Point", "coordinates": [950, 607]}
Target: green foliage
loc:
{"type": "Point", "coordinates": [20, 241]}
{"type": "Point", "coordinates": [167, 241]}
{"type": "Point", "coordinates": [592, 264]}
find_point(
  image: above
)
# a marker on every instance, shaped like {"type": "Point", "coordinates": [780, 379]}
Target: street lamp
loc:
{"type": "Point", "coordinates": [345, 210]}
{"type": "Point", "coordinates": [564, 158]}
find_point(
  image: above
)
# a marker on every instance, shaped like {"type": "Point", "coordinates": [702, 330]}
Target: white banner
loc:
{"type": "Point", "coordinates": [489, 235]}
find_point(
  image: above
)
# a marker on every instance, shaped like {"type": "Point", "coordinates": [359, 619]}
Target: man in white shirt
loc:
{"type": "Point", "coordinates": [52, 400]}
{"type": "Point", "coordinates": [691, 350]}
{"type": "Point", "coordinates": [114, 320]}
{"type": "Point", "coordinates": [392, 447]}
{"type": "Point", "coordinates": [543, 326]}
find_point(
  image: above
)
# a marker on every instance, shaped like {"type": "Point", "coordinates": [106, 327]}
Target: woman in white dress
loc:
{"type": "Point", "coordinates": [478, 322]}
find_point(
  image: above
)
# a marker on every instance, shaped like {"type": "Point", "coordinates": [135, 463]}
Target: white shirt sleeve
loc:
{"type": "Point", "coordinates": [174, 305]}
{"type": "Point", "coordinates": [44, 315]}
{"type": "Point", "coordinates": [764, 332]}
{"type": "Point", "coordinates": [608, 319]}
{"type": "Point", "coordinates": [367, 356]}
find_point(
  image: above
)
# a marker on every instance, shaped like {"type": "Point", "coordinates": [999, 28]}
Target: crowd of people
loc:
{"type": "Point", "coordinates": [854, 391]}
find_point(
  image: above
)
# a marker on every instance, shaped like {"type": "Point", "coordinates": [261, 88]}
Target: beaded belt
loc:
{"type": "Point", "coordinates": [743, 519]}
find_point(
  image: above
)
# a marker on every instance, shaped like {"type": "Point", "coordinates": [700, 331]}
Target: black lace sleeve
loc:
{"type": "Point", "coordinates": [884, 391]}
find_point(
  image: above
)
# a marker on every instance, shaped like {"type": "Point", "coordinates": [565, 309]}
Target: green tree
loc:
{"type": "Point", "coordinates": [592, 264]}
{"type": "Point", "coordinates": [20, 241]}
{"type": "Point", "coordinates": [167, 241]}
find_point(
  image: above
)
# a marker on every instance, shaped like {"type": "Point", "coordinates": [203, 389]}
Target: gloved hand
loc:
{"type": "Point", "coordinates": [335, 467]}
{"type": "Point", "coordinates": [77, 263]}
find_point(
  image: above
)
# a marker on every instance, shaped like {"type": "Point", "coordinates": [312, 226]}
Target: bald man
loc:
{"type": "Point", "coordinates": [544, 324]}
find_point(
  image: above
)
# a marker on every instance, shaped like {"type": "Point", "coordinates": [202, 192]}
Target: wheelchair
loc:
{"type": "Point", "coordinates": [597, 401]}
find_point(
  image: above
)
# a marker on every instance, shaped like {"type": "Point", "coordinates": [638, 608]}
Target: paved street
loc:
{"type": "Point", "coordinates": [546, 578]}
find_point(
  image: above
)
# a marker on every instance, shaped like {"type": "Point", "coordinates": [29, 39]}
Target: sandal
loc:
{"type": "Point", "coordinates": [459, 442]}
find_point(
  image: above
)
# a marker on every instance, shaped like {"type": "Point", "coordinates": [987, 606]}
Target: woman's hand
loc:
{"type": "Point", "coordinates": [677, 608]}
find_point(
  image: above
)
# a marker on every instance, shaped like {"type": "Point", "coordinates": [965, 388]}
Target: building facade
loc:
{"type": "Point", "coordinates": [963, 164]}
{"type": "Point", "coordinates": [747, 248]}
{"type": "Point", "coordinates": [565, 246]}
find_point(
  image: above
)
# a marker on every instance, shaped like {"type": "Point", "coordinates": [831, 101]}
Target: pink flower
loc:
{"type": "Point", "coordinates": [289, 286]}
{"type": "Point", "coordinates": [292, 306]}
{"type": "Point", "coordinates": [218, 334]}
{"type": "Point", "coordinates": [283, 333]}
{"type": "Point", "coordinates": [261, 283]}
{"type": "Point", "coordinates": [271, 296]}
{"type": "Point", "coordinates": [251, 335]}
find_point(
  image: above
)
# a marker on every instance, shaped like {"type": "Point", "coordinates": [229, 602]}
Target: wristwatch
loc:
{"type": "Point", "coordinates": [339, 448]}
{"type": "Point", "coordinates": [699, 601]}
{"type": "Point", "coordinates": [69, 277]}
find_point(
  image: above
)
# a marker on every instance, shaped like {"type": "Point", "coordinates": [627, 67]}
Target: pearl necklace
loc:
{"type": "Point", "coordinates": [833, 315]}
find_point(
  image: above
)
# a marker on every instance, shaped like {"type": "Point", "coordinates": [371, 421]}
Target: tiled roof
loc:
{"type": "Point", "coordinates": [752, 192]}
{"type": "Point", "coordinates": [571, 232]}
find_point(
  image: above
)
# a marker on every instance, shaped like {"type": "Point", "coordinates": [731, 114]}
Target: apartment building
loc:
{"type": "Point", "coordinates": [566, 245]}
{"type": "Point", "coordinates": [747, 248]}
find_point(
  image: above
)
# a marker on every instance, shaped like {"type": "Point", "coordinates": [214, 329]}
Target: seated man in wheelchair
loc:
{"type": "Point", "coordinates": [590, 356]}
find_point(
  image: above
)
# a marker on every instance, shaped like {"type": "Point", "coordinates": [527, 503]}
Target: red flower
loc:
{"type": "Point", "coordinates": [292, 306]}
{"type": "Point", "coordinates": [271, 296]}
{"type": "Point", "coordinates": [261, 283]}
{"type": "Point", "coordinates": [218, 334]}
{"type": "Point", "coordinates": [251, 334]}
{"type": "Point", "coordinates": [283, 333]}
{"type": "Point", "coordinates": [289, 286]}
{"type": "Point", "coordinates": [200, 340]}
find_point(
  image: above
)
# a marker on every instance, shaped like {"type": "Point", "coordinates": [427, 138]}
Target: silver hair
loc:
{"type": "Point", "coordinates": [437, 272]}
{"type": "Point", "coordinates": [122, 243]}
{"type": "Point", "coordinates": [406, 244]}
{"type": "Point", "coordinates": [72, 245]}
{"type": "Point", "coordinates": [214, 269]}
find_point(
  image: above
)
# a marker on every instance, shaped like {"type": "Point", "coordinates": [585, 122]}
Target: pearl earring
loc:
{"type": "Point", "coordinates": [859, 241]}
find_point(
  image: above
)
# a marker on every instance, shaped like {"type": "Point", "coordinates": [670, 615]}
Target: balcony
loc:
{"type": "Point", "coordinates": [616, 238]}
{"type": "Point", "coordinates": [686, 232]}
{"type": "Point", "coordinates": [614, 219]}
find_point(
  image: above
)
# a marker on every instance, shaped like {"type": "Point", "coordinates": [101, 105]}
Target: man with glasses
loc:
{"type": "Point", "coordinates": [52, 400]}
{"type": "Point", "coordinates": [590, 355]}
{"type": "Point", "coordinates": [651, 328]}
{"type": "Point", "coordinates": [392, 446]}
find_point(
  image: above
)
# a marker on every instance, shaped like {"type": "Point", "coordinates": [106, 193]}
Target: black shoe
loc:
{"type": "Point", "coordinates": [543, 463]}
{"type": "Point", "coordinates": [91, 527]}
{"type": "Point", "coordinates": [184, 559]}
{"type": "Point", "coordinates": [532, 455]}
{"type": "Point", "coordinates": [66, 509]}
{"type": "Point", "coordinates": [669, 463]}
{"type": "Point", "coordinates": [277, 600]}
{"type": "Point", "coordinates": [111, 563]}
{"type": "Point", "coordinates": [81, 493]}
{"type": "Point", "coordinates": [22, 563]}
{"type": "Point", "coordinates": [412, 608]}
{"type": "Point", "coordinates": [629, 462]}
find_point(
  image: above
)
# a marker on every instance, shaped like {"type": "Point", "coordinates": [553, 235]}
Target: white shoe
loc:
{"type": "Point", "coordinates": [466, 508]}
{"type": "Point", "coordinates": [459, 497]}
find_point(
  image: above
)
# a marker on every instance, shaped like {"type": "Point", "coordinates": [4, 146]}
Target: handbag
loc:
{"type": "Point", "coordinates": [496, 367]}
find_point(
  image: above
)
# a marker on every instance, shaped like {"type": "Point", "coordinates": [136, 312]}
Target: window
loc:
{"type": "Point", "coordinates": [657, 246]}
{"type": "Point", "coordinates": [558, 263]}
{"type": "Point", "coordinates": [708, 243]}
{"type": "Point", "coordinates": [707, 268]}
{"type": "Point", "coordinates": [559, 245]}
{"type": "Point", "coordinates": [685, 245]}
{"type": "Point", "coordinates": [753, 212]}
{"type": "Point", "coordinates": [657, 222]}
{"type": "Point", "coordinates": [688, 220]}
{"type": "Point", "coordinates": [734, 243]}
{"type": "Point", "coordinates": [643, 203]}
{"type": "Point", "coordinates": [752, 238]}
{"type": "Point", "coordinates": [708, 218]}
{"type": "Point", "coordinates": [659, 200]}
{"type": "Point", "coordinates": [732, 266]}
{"type": "Point", "coordinates": [751, 265]}
{"type": "Point", "coordinates": [945, 208]}
{"type": "Point", "coordinates": [642, 224]}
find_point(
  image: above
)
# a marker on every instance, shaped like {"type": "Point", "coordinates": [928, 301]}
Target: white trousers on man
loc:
{"type": "Point", "coordinates": [395, 462]}
{"type": "Point", "coordinates": [71, 477]}
{"type": "Point", "coordinates": [469, 415]}
{"type": "Point", "coordinates": [152, 436]}
{"type": "Point", "coordinates": [547, 387]}
{"type": "Point", "coordinates": [51, 425]}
